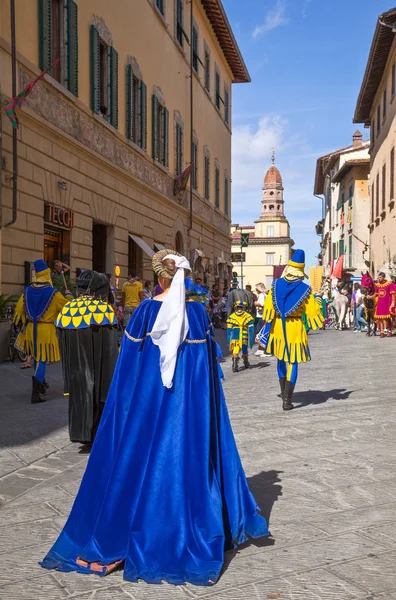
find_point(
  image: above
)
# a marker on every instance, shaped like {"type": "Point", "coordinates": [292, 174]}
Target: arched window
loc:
{"type": "Point", "coordinates": [278, 206]}
{"type": "Point", "coordinates": [272, 207]}
{"type": "Point", "coordinates": [179, 243]}
{"type": "Point", "coordinates": [271, 193]}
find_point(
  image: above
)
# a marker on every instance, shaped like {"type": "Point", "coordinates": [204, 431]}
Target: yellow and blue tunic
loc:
{"type": "Point", "coordinates": [37, 308]}
{"type": "Point", "coordinates": [285, 305]}
{"type": "Point", "coordinates": [240, 332]}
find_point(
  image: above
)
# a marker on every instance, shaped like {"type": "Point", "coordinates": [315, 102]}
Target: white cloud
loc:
{"type": "Point", "coordinates": [274, 18]}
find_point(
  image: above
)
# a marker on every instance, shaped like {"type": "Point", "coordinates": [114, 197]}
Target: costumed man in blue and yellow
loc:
{"type": "Point", "coordinates": [240, 334]}
{"type": "Point", "coordinates": [37, 308]}
{"type": "Point", "coordinates": [284, 334]}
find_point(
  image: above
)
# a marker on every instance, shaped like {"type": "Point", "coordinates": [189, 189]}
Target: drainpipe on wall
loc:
{"type": "Point", "coordinates": [14, 130]}
{"type": "Point", "coordinates": [191, 115]}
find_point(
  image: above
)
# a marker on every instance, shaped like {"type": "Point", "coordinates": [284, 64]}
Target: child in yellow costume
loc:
{"type": "Point", "coordinates": [240, 334]}
{"type": "Point", "coordinates": [284, 334]}
{"type": "Point", "coordinates": [39, 306]}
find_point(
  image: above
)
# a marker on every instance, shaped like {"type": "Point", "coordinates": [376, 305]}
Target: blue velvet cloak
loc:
{"type": "Point", "coordinates": [164, 489]}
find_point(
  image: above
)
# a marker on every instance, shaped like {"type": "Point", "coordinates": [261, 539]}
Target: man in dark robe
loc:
{"type": "Point", "coordinates": [88, 334]}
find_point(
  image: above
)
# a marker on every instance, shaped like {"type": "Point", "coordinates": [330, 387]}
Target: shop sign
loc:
{"type": "Point", "coordinates": [58, 216]}
{"type": "Point", "coordinates": [238, 257]}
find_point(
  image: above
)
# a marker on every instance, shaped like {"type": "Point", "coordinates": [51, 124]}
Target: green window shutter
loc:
{"type": "Point", "coordinates": [143, 115]}
{"type": "Point", "coordinates": [72, 47]}
{"type": "Point", "coordinates": [114, 87]}
{"type": "Point", "coordinates": [45, 34]}
{"type": "Point", "coordinates": [130, 103]}
{"type": "Point", "coordinates": [95, 69]}
{"type": "Point", "coordinates": [165, 116]}
{"type": "Point", "coordinates": [155, 129]}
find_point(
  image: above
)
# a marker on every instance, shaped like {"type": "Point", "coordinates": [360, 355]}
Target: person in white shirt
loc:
{"type": "Point", "coordinates": [259, 304]}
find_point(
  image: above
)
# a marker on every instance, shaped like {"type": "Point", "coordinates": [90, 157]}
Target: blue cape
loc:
{"type": "Point", "coordinates": [36, 302]}
{"type": "Point", "coordinates": [287, 298]}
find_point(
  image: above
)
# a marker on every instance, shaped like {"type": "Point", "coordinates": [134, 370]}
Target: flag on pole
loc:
{"type": "Point", "coordinates": [182, 180]}
{"type": "Point", "coordinates": [11, 108]}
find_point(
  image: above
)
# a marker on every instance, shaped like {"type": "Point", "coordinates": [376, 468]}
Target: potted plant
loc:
{"type": "Point", "coordinates": [6, 302]}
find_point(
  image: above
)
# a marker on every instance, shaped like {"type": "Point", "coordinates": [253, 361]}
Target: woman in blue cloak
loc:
{"type": "Point", "coordinates": [164, 492]}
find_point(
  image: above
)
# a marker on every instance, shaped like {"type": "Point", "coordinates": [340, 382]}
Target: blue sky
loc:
{"type": "Point", "coordinates": [306, 59]}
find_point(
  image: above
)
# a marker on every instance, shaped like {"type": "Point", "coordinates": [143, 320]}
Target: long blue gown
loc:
{"type": "Point", "coordinates": [164, 489]}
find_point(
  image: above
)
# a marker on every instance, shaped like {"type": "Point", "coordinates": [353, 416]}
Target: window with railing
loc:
{"type": "Point", "coordinates": [136, 109]}
{"type": "Point", "coordinates": [217, 186]}
{"type": "Point", "coordinates": [206, 174]}
{"type": "Point", "coordinates": [58, 39]}
{"type": "Point", "coordinates": [194, 170]}
{"type": "Point", "coordinates": [383, 188]}
{"type": "Point", "coordinates": [160, 132]}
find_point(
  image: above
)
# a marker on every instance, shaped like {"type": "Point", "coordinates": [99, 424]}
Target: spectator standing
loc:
{"type": "Point", "coordinates": [148, 294]}
{"type": "Point", "coordinates": [234, 295]}
{"type": "Point", "coordinates": [132, 296]}
{"type": "Point", "coordinates": [259, 306]}
{"type": "Point", "coordinates": [60, 271]}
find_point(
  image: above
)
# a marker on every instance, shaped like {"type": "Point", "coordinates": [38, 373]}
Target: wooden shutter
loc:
{"type": "Point", "coordinates": [165, 129]}
{"type": "Point", "coordinates": [72, 47]}
{"type": "Point", "coordinates": [114, 87]}
{"type": "Point", "coordinates": [130, 103]}
{"type": "Point", "coordinates": [155, 128]}
{"type": "Point", "coordinates": [95, 69]}
{"type": "Point", "coordinates": [45, 34]}
{"type": "Point", "coordinates": [143, 115]}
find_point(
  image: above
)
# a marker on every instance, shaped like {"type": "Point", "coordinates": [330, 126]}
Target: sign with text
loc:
{"type": "Point", "coordinates": [58, 216]}
{"type": "Point", "coordinates": [245, 240]}
{"type": "Point", "coordinates": [238, 257]}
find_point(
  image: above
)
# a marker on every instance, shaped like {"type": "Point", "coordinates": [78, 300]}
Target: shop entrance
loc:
{"type": "Point", "coordinates": [99, 247]}
{"type": "Point", "coordinates": [56, 245]}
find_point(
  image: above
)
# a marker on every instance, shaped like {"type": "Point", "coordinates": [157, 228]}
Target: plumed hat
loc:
{"type": "Point", "coordinates": [166, 268]}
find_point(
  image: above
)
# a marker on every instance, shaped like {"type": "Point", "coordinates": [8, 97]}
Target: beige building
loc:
{"type": "Point", "coordinates": [376, 107]}
{"type": "Point", "coordinates": [140, 90]}
{"type": "Point", "coordinates": [269, 238]}
{"type": "Point", "coordinates": [341, 178]}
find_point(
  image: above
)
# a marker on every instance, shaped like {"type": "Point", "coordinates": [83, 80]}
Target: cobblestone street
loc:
{"type": "Point", "coordinates": [323, 474]}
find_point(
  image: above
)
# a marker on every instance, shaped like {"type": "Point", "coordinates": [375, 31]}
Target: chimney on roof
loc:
{"type": "Point", "coordinates": [357, 139]}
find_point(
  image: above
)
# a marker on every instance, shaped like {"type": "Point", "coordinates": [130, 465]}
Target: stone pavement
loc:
{"type": "Point", "coordinates": [323, 474]}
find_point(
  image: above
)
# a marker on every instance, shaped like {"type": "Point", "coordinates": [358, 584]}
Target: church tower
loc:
{"type": "Point", "coordinates": [272, 221]}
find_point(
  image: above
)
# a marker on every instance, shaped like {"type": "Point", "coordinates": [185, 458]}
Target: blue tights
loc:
{"type": "Point", "coordinates": [288, 370]}
{"type": "Point", "coordinates": [39, 370]}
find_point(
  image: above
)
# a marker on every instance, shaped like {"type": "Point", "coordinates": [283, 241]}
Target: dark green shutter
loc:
{"type": "Point", "coordinates": [95, 69]}
{"type": "Point", "coordinates": [143, 115]}
{"type": "Point", "coordinates": [72, 47]}
{"type": "Point", "coordinates": [154, 129]}
{"type": "Point", "coordinates": [114, 87]}
{"type": "Point", "coordinates": [165, 116]}
{"type": "Point", "coordinates": [130, 102]}
{"type": "Point", "coordinates": [45, 34]}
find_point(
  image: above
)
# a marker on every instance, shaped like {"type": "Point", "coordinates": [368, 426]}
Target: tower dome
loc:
{"type": "Point", "coordinates": [272, 201]}
{"type": "Point", "coordinates": [273, 177]}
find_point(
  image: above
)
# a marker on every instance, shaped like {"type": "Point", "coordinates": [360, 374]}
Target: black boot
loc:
{"type": "Point", "coordinates": [246, 362]}
{"type": "Point", "coordinates": [45, 386]}
{"type": "Point", "coordinates": [282, 381]}
{"type": "Point", "coordinates": [288, 395]}
{"type": "Point", "coordinates": [37, 393]}
{"type": "Point", "coordinates": [235, 362]}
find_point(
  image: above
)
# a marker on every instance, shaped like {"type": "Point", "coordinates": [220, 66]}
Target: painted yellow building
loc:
{"type": "Point", "coordinates": [141, 89]}
{"type": "Point", "coordinates": [376, 107]}
{"type": "Point", "coordinates": [269, 238]}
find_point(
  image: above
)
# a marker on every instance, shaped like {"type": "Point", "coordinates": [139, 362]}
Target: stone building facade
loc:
{"type": "Point", "coordinates": [269, 238]}
{"type": "Point", "coordinates": [376, 108]}
{"type": "Point", "coordinates": [102, 139]}
{"type": "Point", "coordinates": [341, 178]}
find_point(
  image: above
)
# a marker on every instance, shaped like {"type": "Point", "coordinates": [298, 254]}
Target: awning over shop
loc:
{"type": "Point", "coordinates": [142, 244]}
{"type": "Point", "coordinates": [159, 246]}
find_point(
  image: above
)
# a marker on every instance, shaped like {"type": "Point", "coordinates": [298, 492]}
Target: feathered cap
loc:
{"type": "Point", "coordinates": [167, 268]}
